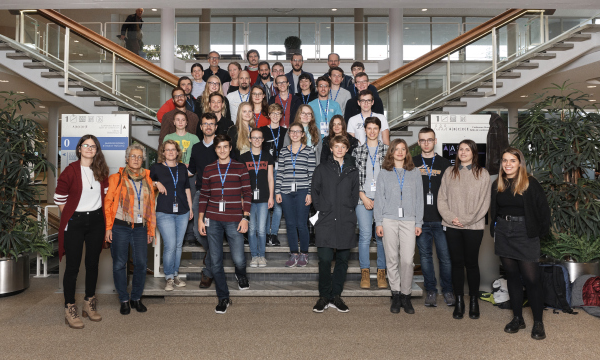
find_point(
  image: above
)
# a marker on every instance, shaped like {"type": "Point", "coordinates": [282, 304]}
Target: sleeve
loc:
{"type": "Point", "coordinates": [442, 201]}
{"type": "Point", "coordinates": [484, 200]}
{"type": "Point", "coordinates": [164, 131]}
{"type": "Point", "coordinates": [325, 151]}
{"type": "Point", "coordinates": [192, 164]}
{"type": "Point", "coordinates": [280, 171]}
{"type": "Point", "coordinates": [204, 193]}
{"type": "Point", "coordinates": [183, 172]}
{"type": "Point", "coordinates": [109, 200]}
{"type": "Point", "coordinates": [348, 112]}
{"type": "Point", "coordinates": [542, 208]}
{"type": "Point", "coordinates": [493, 210]}
{"type": "Point", "coordinates": [153, 173]}
{"type": "Point", "coordinates": [384, 123]}
{"type": "Point", "coordinates": [246, 189]}
{"type": "Point", "coordinates": [165, 108]}
{"type": "Point", "coordinates": [378, 106]}
{"type": "Point", "coordinates": [379, 199]}
{"type": "Point", "coordinates": [337, 110]}
{"type": "Point", "coordinates": [312, 163]}
{"type": "Point", "coordinates": [286, 140]}
{"type": "Point", "coordinates": [355, 188]}
{"type": "Point", "coordinates": [228, 107]}
{"type": "Point", "coordinates": [317, 188]}
{"type": "Point", "coordinates": [124, 26]}
{"type": "Point", "coordinates": [61, 194]}
{"type": "Point", "coordinates": [420, 205]}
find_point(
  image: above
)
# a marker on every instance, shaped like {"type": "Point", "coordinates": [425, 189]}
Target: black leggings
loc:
{"type": "Point", "coordinates": [524, 272]}
{"type": "Point", "coordinates": [463, 246]}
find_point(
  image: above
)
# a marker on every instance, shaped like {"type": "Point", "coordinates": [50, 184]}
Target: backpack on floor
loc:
{"type": "Point", "coordinates": [556, 287]}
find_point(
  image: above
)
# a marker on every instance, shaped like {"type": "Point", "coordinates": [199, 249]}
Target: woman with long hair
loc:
{"type": "Point", "coordinates": [306, 117]}
{"type": "Point", "coordinates": [80, 198]}
{"type": "Point", "coordinates": [234, 68]}
{"type": "Point", "coordinates": [307, 89]}
{"type": "Point", "coordinates": [258, 96]}
{"type": "Point", "coordinates": [398, 213]}
{"type": "Point", "coordinates": [240, 132]}
{"type": "Point", "coordinates": [130, 220]}
{"type": "Point", "coordinates": [520, 216]}
{"type": "Point", "coordinates": [213, 85]}
{"type": "Point", "coordinates": [463, 201]}
{"type": "Point", "coordinates": [337, 126]}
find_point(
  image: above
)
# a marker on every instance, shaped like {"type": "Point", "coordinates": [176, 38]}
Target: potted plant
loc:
{"type": "Point", "coordinates": [560, 140]}
{"type": "Point", "coordinates": [292, 45]}
{"type": "Point", "coordinates": [22, 142]}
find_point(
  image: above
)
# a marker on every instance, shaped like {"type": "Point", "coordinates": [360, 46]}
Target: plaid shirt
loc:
{"type": "Point", "coordinates": [361, 154]}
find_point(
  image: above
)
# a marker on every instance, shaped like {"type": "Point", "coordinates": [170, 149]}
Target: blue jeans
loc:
{"type": "Point", "coordinates": [365, 228]}
{"type": "Point", "coordinates": [201, 239]}
{"type": "Point", "coordinates": [172, 229]}
{"type": "Point", "coordinates": [214, 232]}
{"type": "Point", "coordinates": [434, 231]}
{"type": "Point", "coordinates": [275, 217]}
{"type": "Point", "coordinates": [296, 219]}
{"type": "Point", "coordinates": [257, 229]}
{"type": "Point", "coordinates": [122, 237]}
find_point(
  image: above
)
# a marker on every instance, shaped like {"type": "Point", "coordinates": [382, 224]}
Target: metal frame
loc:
{"type": "Point", "coordinates": [216, 23]}
{"type": "Point", "coordinates": [40, 262]}
{"type": "Point", "coordinates": [365, 43]}
{"type": "Point", "coordinates": [247, 33]}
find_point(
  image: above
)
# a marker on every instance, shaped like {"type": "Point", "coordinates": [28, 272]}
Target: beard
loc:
{"type": "Point", "coordinates": [265, 77]}
{"type": "Point", "coordinates": [244, 86]}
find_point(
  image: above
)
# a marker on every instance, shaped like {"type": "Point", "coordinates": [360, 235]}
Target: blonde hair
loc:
{"type": "Point", "coordinates": [205, 98]}
{"type": "Point", "coordinates": [521, 182]}
{"type": "Point", "coordinates": [315, 136]}
{"type": "Point", "coordinates": [161, 150]}
{"type": "Point", "coordinates": [243, 133]}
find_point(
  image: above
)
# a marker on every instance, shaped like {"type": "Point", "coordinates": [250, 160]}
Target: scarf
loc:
{"type": "Point", "coordinates": [128, 194]}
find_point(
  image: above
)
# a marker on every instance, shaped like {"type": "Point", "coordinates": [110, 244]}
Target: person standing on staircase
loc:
{"type": "Point", "coordinates": [185, 83]}
{"type": "Point", "coordinates": [168, 125]}
{"type": "Point", "coordinates": [241, 95]}
{"type": "Point", "coordinates": [356, 124]}
{"type": "Point", "coordinates": [361, 81]}
{"type": "Point", "coordinates": [131, 32]}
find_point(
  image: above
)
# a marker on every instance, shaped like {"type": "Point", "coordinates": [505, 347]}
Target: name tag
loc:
{"type": "Point", "coordinates": [429, 199]}
{"type": "Point", "coordinates": [256, 194]}
{"type": "Point", "coordinates": [373, 185]}
{"type": "Point", "coordinates": [175, 207]}
{"type": "Point", "coordinates": [276, 165]}
{"type": "Point", "coordinates": [444, 228]}
{"type": "Point", "coordinates": [206, 221]}
{"type": "Point", "coordinates": [293, 187]}
{"type": "Point", "coordinates": [324, 128]}
{"type": "Point", "coordinates": [400, 212]}
{"type": "Point", "coordinates": [222, 206]}
{"type": "Point", "coordinates": [139, 219]}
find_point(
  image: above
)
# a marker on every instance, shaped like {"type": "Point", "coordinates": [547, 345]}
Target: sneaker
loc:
{"type": "Point", "coordinates": [262, 262]}
{"type": "Point", "coordinates": [321, 305]}
{"type": "Point", "coordinates": [275, 241]}
{"type": "Point", "coordinates": [269, 243]}
{"type": "Point", "coordinates": [170, 284]}
{"type": "Point", "coordinates": [254, 262]}
{"type": "Point", "coordinates": [302, 260]}
{"type": "Point", "coordinates": [178, 282]}
{"type": "Point", "coordinates": [222, 306]}
{"type": "Point", "coordinates": [430, 300]}
{"type": "Point", "coordinates": [338, 303]}
{"type": "Point", "coordinates": [243, 283]}
{"type": "Point", "coordinates": [292, 261]}
{"type": "Point", "coordinates": [449, 299]}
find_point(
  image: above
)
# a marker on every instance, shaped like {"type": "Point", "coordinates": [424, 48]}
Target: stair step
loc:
{"type": "Point", "coordinates": [154, 132]}
{"type": "Point", "coordinates": [419, 123]}
{"type": "Point", "coordinates": [527, 65]}
{"type": "Point", "coordinates": [591, 29]}
{"type": "Point", "coordinates": [454, 104]}
{"type": "Point", "coordinates": [37, 65]}
{"type": "Point", "coordinates": [561, 47]}
{"type": "Point", "coordinates": [509, 75]}
{"type": "Point", "coordinates": [401, 133]}
{"type": "Point", "coordinates": [88, 93]}
{"type": "Point", "coordinates": [284, 248]}
{"type": "Point", "coordinates": [137, 114]}
{"type": "Point", "coordinates": [17, 56]}
{"type": "Point", "coordinates": [543, 56]}
{"type": "Point", "coordinates": [273, 267]}
{"type": "Point", "coordinates": [5, 46]}
{"type": "Point", "coordinates": [473, 94]}
{"type": "Point", "coordinates": [72, 84]}
{"type": "Point", "coordinates": [489, 84]}
{"type": "Point", "coordinates": [579, 37]}
{"type": "Point", "coordinates": [53, 74]}
{"type": "Point", "coordinates": [106, 103]}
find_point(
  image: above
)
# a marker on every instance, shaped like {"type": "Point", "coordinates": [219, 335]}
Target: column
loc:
{"type": "Point", "coordinates": [513, 121]}
{"type": "Point", "coordinates": [396, 38]}
{"type": "Point", "coordinates": [167, 39]}
{"type": "Point", "coordinates": [205, 32]}
{"type": "Point", "coordinates": [52, 151]}
{"type": "Point", "coordinates": [359, 34]}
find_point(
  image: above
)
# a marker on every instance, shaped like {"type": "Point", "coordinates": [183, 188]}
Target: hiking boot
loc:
{"type": "Point", "coordinates": [381, 280]}
{"type": "Point", "coordinates": [302, 260]}
{"type": "Point", "coordinates": [339, 304]}
{"type": "Point", "coordinates": [321, 305]}
{"type": "Point", "coordinates": [292, 261]}
{"type": "Point", "coordinates": [474, 307]}
{"type": "Point", "coordinates": [406, 304]}
{"type": "Point", "coordinates": [72, 318]}
{"type": "Point", "coordinates": [459, 307]}
{"type": "Point", "coordinates": [205, 281]}
{"type": "Point", "coordinates": [449, 299]}
{"type": "Point", "coordinates": [178, 282]}
{"type": "Point", "coordinates": [395, 308]}
{"type": "Point", "coordinates": [262, 262]}
{"type": "Point", "coordinates": [538, 332]}
{"type": "Point", "coordinates": [365, 280]}
{"type": "Point", "coordinates": [170, 285]}
{"type": "Point", "coordinates": [243, 283]}
{"type": "Point", "coordinates": [89, 309]}
{"type": "Point", "coordinates": [254, 262]}
{"type": "Point", "coordinates": [222, 306]}
{"type": "Point", "coordinates": [431, 299]}
{"type": "Point", "coordinates": [515, 325]}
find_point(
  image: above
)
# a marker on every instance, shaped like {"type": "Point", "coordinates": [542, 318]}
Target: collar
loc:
{"type": "Point", "coordinates": [208, 144]}
{"type": "Point", "coordinates": [460, 167]}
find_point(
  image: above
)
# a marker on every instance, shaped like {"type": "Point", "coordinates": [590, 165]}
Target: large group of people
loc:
{"type": "Point", "coordinates": [319, 153]}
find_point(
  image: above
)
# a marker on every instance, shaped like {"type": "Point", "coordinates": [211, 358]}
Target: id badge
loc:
{"type": "Point", "coordinates": [400, 212]}
{"type": "Point", "coordinates": [293, 187]}
{"type": "Point", "coordinates": [139, 219]}
{"type": "Point", "coordinates": [276, 165]}
{"type": "Point", "coordinates": [373, 186]}
{"type": "Point", "coordinates": [222, 206]}
{"type": "Point", "coordinates": [175, 207]}
{"type": "Point", "coordinates": [206, 221]}
{"type": "Point", "coordinates": [430, 199]}
{"type": "Point", "coordinates": [444, 228]}
{"type": "Point", "coordinates": [324, 128]}
{"type": "Point", "coordinates": [256, 194]}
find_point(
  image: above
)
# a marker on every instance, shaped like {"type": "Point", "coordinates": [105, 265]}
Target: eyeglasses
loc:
{"type": "Point", "coordinates": [254, 138]}
{"type": "Point", "coordinates": [305, 114]}
{"type": "Point", "coordinates": [133, 157]}
{"type": "Point", "coordinates": [170, 150]}
{"type": "Point", "coordinates": [281, 82]}
{"type": "Point", "coordinates": [213, 83]}
{"type": "Point", "coordinates": [275, 114]}
{"type": "Point", "coordinates": [87, 146]}
{"type": "Point", "coordinates": [425, 141]}
{"type": "Point", "coordinates": [296, 132]}
{"type": "Point", "coordinates": [365, 101]}
{"type": "Point", "coordinates": [323, 86]}
{"type": "Point", "coordinates": [213, 58]}
{"type": "Point", "coordinates": [297, 61]}
{"type": "Point", "coordinates": [178, 96]}
{"type": "Point", "coordinates": [258, 94]}
{"type": "Point", "coordinates": [362, 82]}
{"type": "Point", "coordinates": [209, 124]}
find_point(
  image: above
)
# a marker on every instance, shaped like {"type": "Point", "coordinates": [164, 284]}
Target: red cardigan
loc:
{"type": "Point", "coordinates": [70, 185]}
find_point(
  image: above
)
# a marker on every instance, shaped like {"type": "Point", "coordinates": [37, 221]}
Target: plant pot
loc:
{"type": "Point", "coordinates": [290, 52]}
{"type": "Point", "coordinates": [577, 269]}
{"type": "Point", "coordinates": [14, 275]}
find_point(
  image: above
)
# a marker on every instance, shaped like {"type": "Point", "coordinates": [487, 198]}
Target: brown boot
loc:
{"type": "Point", "coordinates": [72, 318]}
{"type": "Point", "coordinates": [89, 309]}
{"type": "Point", "coordinates": [365, 281]}
{"type": "Point", "coordinates": [381, 280]}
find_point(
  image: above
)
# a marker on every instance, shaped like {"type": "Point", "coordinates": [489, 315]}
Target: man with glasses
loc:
{"type": "Point", "coordinates": [240, 95]}
{"type": "Point", "coordinates": [292, 76]}
{"type": "Point", "coordinates": [333, 60]}
{"type": "Point", "coordinates": [353, 106]}
{"type": "Point", "coordinates": [338, 93]}
{"type": "Point", "coordinates": [184, 83]}
{"type": "Point", "coordinates": [432, 167]}
{"type": "Point", "coordinates": [323, 107]}
{"type": "Point", "coordinates": [203, 154]}
{"type": "Point", "coordinates": [252, 57]}
{"type": "Point", "coordinates": [289, 102]}
{"type": "Point", "coordinates": [276, 70]}
{"type": "Point", "coordinates": [179, 104]}
{"type": "Point", "coordinates": [356, 124]}
{"type": "Point", "coordinates": [213, 59]}
{"type": "Point", "coordinates": [359, 67]}
{"type": "Point", "coordinates": [264, 78]}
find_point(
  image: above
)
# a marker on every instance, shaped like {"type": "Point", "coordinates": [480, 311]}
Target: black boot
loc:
{"type": "Point", "coordinates": [538, 332]}
{"type": "Point", "coordinates": [395, 308]}
{"type": "Point", "coordinates": [474, 308]}
{"type": "Point", "coordinates": [406, 304]}
{"type": "Point", "coordinates": [515, 325]}
{"type": "Point", "coordinates": [459, 307]}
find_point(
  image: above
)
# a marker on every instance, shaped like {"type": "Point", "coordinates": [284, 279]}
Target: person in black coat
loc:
{"type": "Point", "coordinates": [334, 192]}
{"type": "Point", "coordinates": [337, 126]}
{"type": "Point", "coordinates": [521, 216]}
{"type": "Point", "coordinates": [132, 32]}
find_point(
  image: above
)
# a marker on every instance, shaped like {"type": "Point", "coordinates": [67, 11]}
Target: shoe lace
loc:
{"type": "Point", "coordinates": [73, 312]}
{"type": "Point", "coordinates": [380, 275]}
{"type": "Point", "coordinates": [93, 303]}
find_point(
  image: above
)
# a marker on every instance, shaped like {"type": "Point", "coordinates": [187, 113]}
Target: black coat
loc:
{"type": "Point", "coordinates": [326, 151]}
{"type": "Point", "coordinates": [537, 211]}
{"type": "Point", "coordinates": [335, 195]}
{"type": "Point", "coordinates": [497, 141]}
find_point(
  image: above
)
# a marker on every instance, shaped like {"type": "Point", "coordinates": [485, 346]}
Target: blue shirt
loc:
{"type": "Point", "coordinates": [319, 107]}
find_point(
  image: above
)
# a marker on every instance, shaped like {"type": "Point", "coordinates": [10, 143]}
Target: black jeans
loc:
{"type": "Point", "coordinates": [88, 228]}
{"type": "Point", "coordinates": [331, 286]}
{"type": "Point", "coordinates": [463, 246]}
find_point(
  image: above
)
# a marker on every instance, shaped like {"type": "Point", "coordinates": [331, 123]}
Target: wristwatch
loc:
{"type": "Point", "coordinates": [247, 218]}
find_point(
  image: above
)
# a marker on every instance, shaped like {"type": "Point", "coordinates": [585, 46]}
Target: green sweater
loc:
{"type": "Point", "coordinates": [186, 142]}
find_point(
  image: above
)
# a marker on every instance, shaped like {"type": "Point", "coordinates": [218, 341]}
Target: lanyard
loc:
{"type": "Point", "coordinates": [222, 178]}
{"type": "Point", "coordinates": [363, 119]}
{"type": "Point", "coordinates": [374, 157]}
{"type": "Point", "coordinates": [273, 89]}
{"type": "Point", "coordinates": [294, 159]}
{"type": "Point", "coordinates": [190, 104]}
{"type": "Point", "coordinates": [305, 102]}
{"type": "Point", "coordinates": [275, 140]}
{"type": "Point", "coordinates": [139, 193]}
{"type": "Point", "coordinates": [323, 117]}
{"type": "Point", "coordinates": [257, 118]}
{"type": "Point", "coordinates": [256, 166]}
{"type": "Point", "coordinates": [286, 104]}
{"type": "Point", "coordinates": [336, 94]}
{"type": "Point", "coordinates": [175, 180]}
{"type": "Point", "coordinates": [241, 99]}
{"type": "Point", "coordinates": [400, 183]}
{"type": "Point", "coordinates": [341, 167]}
{"type": "Point", "coordinates": [429, 171]}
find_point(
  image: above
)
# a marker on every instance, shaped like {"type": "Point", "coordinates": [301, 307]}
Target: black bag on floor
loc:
{"type": "Point", "coordinates": [556, 287]}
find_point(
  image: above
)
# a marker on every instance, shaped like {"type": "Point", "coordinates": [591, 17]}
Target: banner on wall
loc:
{"type": "Point", "coordinates": [450, 130]}
{"type": "Point", "coordinates": [112, 131]}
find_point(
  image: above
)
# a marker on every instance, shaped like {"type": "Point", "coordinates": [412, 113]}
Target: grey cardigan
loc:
{"type": "Point", "coordinates": [317, 149]}
{"type": "Point", "coordinates": [387, 197]}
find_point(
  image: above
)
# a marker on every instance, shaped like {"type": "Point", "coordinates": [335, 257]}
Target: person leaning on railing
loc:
{"type": "Point", "coordinates": [80, 197]}
{"type": "Point", "coordinates": [130, 220]}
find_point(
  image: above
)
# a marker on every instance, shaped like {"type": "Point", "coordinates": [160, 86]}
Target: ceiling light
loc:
{"type": "Point", "coordinates": [154, 9]}
{"type": "Point", "coordinates": [592, 100]}
{"type": "Point", "coordinates": [141, 87]}
{"type": "Point", "coordinates": [80, 54]}
{"type": "Point", "coordinates": [333, 9]}
{"type": "Point", "coordinates": [42, 107]}
{"type": "Point", "coordinates": [591, 86]}
{"type": "Point", "coordinates": [20, 92]}
{"type": "Point", "coordinates": [524, 96]}
{"type": "Point", "coordinates": [75, 40]}
{"type": "Point", "coordinates": [423, 9]}
{"type": "Point", "coordinates": [406, 28]}
{"type": "Point", "coordinates": [3, 81]}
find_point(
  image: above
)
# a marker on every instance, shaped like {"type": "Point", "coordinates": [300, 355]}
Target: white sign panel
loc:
{"type": "Point", "coordinates": [112, 131]}
{"type": "Point", "coordinates": [452, 129]}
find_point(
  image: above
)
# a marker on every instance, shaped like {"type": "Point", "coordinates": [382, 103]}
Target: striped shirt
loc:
{"type": "Point", "coordinates": [236, 188]}
{"type": "Point", "coordinates": [305, 165]}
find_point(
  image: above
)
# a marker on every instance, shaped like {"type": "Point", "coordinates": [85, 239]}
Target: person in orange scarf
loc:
{"type": "Point", "coordinates": [130, 220]}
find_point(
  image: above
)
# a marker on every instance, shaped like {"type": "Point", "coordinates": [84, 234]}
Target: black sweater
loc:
{"type": "Point", "coordinates": [352, 108]}
{"type": "Point", "coordinates": [202, 156]}
{"type": "Point", "coordinates": [537, 211]}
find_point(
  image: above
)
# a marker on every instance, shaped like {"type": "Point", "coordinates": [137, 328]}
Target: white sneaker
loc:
{"type": "Point", "coordinates": [170, 284]}
{"type": "Point", "coordinates": [254, 262]}
{"type": "Point", "coordinates": [262, 262]}
{"type": "Point", "coordinates": [178, 282]}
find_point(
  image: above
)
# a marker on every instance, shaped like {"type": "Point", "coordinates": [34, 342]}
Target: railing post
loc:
{"type": "Point", "coordinates": [542, 27]}
{"type": "Point", "coordinates": [22, 28]}
{"type": "Point", "coordinates": [494, 62]}
{"type": "Point", "coordinates": [448, 82]}
{"type": "Point", "coordinates": [157, 240]}
{"type": "Point", "coordinates": [114, 74]}
{"type": "Point", "coordinates": [40, 261]}
{"type": "Point", "coordinates": [246, 40]}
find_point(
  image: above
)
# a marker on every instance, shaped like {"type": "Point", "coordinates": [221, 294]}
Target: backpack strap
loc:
{"type": "Point", "coordinates": [560, 290]}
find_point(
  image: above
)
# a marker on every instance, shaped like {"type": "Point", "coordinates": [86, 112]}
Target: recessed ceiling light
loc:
{"type": "Point", "coordinates": [423, 9]}
{"type": "Point", "coordinates": [591, 86]}
{"type": "Point", "coordinates": [592, 100]}
{"type": "Point", "coordinates": [42, 107]}
{"type": "Point", "coordinates": [406, 28]}
{"type": "Point", "coordinates": [141, 87]}
{"type": "Point", "coordinates": [3, 81]}
{"type": "Point", "coordinates": [333, 9]}
{"type": "Point", "coordinates": [524, 96]}
{"type": "Point", "coordinates": [80, 54]}
{"type": "Point", "coordinates": [154, 9]}
{"type": "Point", "coordinates": [20, 92]}
{"type": "Point", "coordinates": [75, 40]}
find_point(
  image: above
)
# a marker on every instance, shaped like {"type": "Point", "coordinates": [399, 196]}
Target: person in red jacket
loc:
{"type": "Point", "coordinates": [184, 83]}
{"type": "Point", "coordinates": [80, 197]}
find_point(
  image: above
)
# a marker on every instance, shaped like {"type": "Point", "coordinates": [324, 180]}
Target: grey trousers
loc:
{"type": "Point", "coordinates": [399, 245]}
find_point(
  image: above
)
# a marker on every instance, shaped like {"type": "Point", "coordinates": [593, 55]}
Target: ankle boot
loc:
{"type": "Point", "coordinates": [474, 308]}
{"type": "Point", "coordinates": [365, 280]}
{"type": "Point", "coordinates": [515, 325]}
{"type": "Point", "coordinates": [538, 332]}
{"type": "Point", "coordinates": [89, 309]}
{"type": "Point", "coordinates": [459, 307]}
{"type": "Point", "coordinates": [396, 305]}
{"type": "Point", "coordinates": [72, 318]}
{"type": "Point", "coordinates": [381, 281]}
{"type": "Point", "coordinates": [406, 304]}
